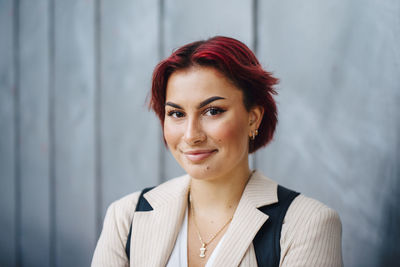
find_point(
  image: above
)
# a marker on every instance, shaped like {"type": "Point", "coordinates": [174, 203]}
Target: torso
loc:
{"type": "Point", "coordinates": [194, 244]}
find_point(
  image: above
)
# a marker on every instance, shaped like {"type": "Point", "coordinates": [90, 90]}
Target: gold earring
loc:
{"type": "Point", "coordinates": [254, 134]}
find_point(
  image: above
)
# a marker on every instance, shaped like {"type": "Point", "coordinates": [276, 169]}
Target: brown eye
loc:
{"type": "Point", "coordinates": [214, 111]}
{"type": "Point", "coordinates": [175, 114]}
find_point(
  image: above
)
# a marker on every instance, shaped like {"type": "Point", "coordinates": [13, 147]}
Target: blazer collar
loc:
{"type": "Point", "coordinates": [259, 191]}
{"type": "Point", "coordinates": [247, 220]}
{"type": "Point", "coordinates": [154, 232]}
{"type": "Point", "coordinates": [169, 200]}
{"type": "Point", "coordinates": [171, 191]}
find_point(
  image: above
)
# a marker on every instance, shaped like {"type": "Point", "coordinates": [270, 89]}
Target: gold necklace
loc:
{"type": "Point", "coordinates": [204, 245]}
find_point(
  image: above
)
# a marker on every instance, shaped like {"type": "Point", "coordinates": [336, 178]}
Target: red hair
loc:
{"type": "Point", "coordinates": [238, 63]}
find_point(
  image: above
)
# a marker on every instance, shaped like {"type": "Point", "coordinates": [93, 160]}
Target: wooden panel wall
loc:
{"type": "Point", "coordinates": [9, 179]}
{"type": "Point", "coordinates": [339, 119]}
{"type": "Point", "coordinates": [75, 132]}
{"type": "Point", "coordinates": [34, 153]}
{"type": "Point", "coordinates": [129, 133]}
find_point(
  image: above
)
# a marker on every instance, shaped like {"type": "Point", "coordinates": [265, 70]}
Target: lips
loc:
{"type": "Point", "coordinates": [199, 155]}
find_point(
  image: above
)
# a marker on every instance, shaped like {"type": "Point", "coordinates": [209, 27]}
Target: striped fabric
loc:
{"type": "Point", "coordinates": [311, 233]}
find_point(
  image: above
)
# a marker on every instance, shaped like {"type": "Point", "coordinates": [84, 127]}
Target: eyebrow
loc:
{"type": "Point", "coordinates": [202, 104]}
{"type": "Point", "coordinates": [173, 105]}
{"type": "Point", "coordinates": [209, 100]}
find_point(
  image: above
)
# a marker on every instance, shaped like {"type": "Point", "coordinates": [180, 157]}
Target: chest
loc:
{"type": "Point", "coordinates": [199, 254]}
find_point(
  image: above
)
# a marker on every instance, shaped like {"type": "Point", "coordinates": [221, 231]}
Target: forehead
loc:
{"type": "Point", "coordinates": [198, 83]}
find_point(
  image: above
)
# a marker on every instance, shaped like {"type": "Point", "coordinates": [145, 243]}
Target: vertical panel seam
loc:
{"type": "Point", "coordinates": [51, 129]}
{"type": "Point", "coordinates": [97, 114]}
{"type": "Point", "coordinates": [255, 49]}
{"type": "Point", "coordinates": [161, 29]}
{"type": "Point", "coordinates": [17, 137]}
{"type": "Point", "coordinates": [161, 46]}
{"type": "Point", "coordinates": [255, 26]}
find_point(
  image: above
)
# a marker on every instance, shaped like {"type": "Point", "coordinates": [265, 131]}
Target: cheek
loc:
{"type": "Point", "coordinates": [230, 132]}
{"type": "Point", "coordinates": [171, 134]}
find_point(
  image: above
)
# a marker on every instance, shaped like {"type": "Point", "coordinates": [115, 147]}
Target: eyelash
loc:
{"type": "Point", "coordinates": [173, 113]}
{"type": "Point", "coordinates": [216, 109]}
{"type": "Point", "coordinates": [179, 114]}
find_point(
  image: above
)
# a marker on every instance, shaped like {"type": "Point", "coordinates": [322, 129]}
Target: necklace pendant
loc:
{"type": "Point", "coordinates": [202, 251]}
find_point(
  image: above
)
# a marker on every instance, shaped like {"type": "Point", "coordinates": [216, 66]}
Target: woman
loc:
{"type": "Point", "coordinates": [215, 105]}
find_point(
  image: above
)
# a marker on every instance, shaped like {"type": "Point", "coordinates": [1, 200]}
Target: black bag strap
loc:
{"type": "Point", "coordinates": [142, 205]}
{"type": "Point", "coordinates": [267, 241]}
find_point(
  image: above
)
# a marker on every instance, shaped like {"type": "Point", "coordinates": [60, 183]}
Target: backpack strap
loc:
{"type": "Point", "coordinates": [142, 205]}
{"type": "Point", "coordinates": [267, 241]}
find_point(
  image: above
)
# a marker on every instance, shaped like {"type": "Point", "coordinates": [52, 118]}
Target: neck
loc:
{"type": "Point", "coordinates": [219, 196]}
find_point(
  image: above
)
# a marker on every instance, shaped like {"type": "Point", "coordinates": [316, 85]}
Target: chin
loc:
{"type": "Point", "coordinates": [198, 171]}
{"type": "Point", "coordinates": [201, 171]}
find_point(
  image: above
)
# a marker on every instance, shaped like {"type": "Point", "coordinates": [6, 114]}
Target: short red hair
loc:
{"type": "Point", "coordinates": [238, 63]}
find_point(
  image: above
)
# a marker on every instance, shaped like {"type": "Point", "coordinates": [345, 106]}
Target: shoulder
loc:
{"type": "Point", "coordinates": [110, 248]}
{"type": "Point", "coordinates": [311, 233]}
{"type": "Point", "coordinates": [119, 215]}
{"type": "Point", "coordinates": [303, 209]}
{"type": "Point", "coordinates": [122, 209]}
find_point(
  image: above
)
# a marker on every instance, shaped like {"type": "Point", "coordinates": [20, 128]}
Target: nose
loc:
{"type": "Point", "coordinates": [194, 133]}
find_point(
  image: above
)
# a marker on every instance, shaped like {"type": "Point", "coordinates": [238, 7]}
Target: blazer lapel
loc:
{"type": "Point", "coordinates": [247, 220]}
{"type": "Point", "coordinates": [154, 232]}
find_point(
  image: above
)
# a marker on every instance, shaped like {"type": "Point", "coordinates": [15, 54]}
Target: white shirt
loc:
{"type": "Point", "coordinates": [178, 256]}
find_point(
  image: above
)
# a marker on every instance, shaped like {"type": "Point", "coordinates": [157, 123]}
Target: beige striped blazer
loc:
{"type": "Point", "coordinates": [311, 232]}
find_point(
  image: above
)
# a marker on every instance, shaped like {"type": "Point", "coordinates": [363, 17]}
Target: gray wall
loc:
{"type": "Point", "coordinates": [75, 133]}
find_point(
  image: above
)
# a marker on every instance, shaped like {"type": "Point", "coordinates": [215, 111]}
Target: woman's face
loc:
{"type": "Point", "coordinates": [206, 124]}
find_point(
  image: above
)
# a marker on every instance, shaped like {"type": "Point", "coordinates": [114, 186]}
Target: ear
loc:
{"type": "Point", "coordinates": [256, 114]}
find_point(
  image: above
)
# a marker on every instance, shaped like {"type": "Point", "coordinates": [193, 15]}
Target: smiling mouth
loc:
{"type": "Point", "coordinates": [199, 155]}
